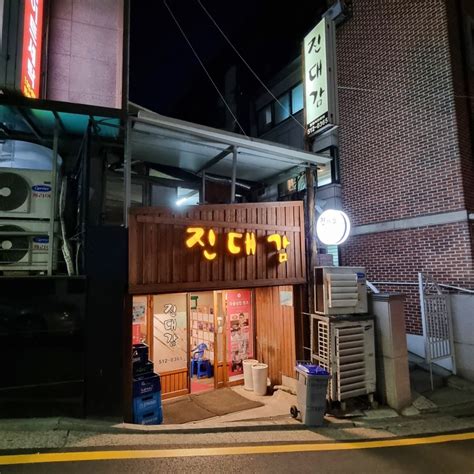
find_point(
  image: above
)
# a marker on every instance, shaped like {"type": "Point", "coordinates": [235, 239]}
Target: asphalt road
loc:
{"type": "Point", "coordinates": [445, 457]}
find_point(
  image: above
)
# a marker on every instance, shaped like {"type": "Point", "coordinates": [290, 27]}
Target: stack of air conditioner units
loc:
{"type": "Point", "coordinates": [342, 333]}
{"type": "Point", "coordinates": [25, 208]}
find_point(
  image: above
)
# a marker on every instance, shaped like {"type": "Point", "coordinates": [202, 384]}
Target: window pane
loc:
{"type": "Point", "coordinates": [324, 174]}
{"type": "Point", "coordinates": [297, 99]}
{"type": "Point", "coordinates": [282, 111]}
{"type": "Point", "coordinates": [264, 117]}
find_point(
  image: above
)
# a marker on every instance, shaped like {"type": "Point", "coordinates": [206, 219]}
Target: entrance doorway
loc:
{"type": "Point", "coordinates": [198, 340]}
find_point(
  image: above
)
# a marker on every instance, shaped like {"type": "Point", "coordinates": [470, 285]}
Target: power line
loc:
{"type": "Point", "coordinates": [250, 67]}
{"type": "Point", "coordinates": [204, 67]}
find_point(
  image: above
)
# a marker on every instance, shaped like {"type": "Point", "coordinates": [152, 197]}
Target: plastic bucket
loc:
{"type": "Point", "coordinates": [260, 374]}
{"type": "Point", "coordinates": [248, 376]}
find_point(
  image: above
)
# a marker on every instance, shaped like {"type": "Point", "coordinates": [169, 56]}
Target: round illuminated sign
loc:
{"type": "Point", "coordinates": [333, 227]}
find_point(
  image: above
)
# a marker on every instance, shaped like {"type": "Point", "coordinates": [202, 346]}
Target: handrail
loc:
{"type": "Point", "coordinates": [406, 283]}
{"type": "Point", "coordinates": [372, 287]}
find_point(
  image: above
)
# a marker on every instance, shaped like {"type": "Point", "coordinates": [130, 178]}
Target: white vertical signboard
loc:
{"type": "Point", "coordinates": [320, 88]}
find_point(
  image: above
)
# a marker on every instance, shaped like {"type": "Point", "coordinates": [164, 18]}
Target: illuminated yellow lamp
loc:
{"type": "Point", "coordinates": [250, 243]}
{"type": "Point", "coordinates": [282, 257]}
{"type": "Point", "coordinates": [286, 242]}
{"type": "Point", "coordinates": [231, 245]}
{"type": "Point", "coordinates": [196, 238]}
{"type": "Point", "coordinates": [275, 239]}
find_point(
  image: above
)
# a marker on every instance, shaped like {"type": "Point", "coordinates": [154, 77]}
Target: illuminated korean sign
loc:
{"type": "Point", "coordinates": [333, 227]}
{"type": "Point", "coordinates": [31, 52]}
{"type": "Point", "coordinates": [237, 243]}
{"type": "Point", "coordinates": [320, 87]}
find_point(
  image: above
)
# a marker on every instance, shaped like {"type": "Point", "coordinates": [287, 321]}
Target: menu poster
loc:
{"type": "Point", "coordinates": [139, 319]}
{"type": "Point", "coordinates": [239, 330]}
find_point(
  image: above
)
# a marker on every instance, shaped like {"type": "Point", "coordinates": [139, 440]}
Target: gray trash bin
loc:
{"type": "Point", "coordinates": [311, 393]}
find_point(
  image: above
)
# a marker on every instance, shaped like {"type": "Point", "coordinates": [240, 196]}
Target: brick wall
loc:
{"type": "Point", "coordinates": [398, 135]}
{"type": "Point", "coordinates": [463, 83]}
{"type": "Point", "coordinates": [442, 251]}
{"type": "Point", "coordinates": [404, 142]}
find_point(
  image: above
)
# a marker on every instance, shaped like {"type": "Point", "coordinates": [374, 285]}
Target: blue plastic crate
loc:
{"type": "Point", "coordinates": [140, 353]}
{"type": "Point", "coordinates": [146, 384]}
{"type": "Point", "coordinates": [142, 368]}
{"type": "Point", "coordinates": [150, 417]}
{"type": "Point", "coordinates": [146, 403]}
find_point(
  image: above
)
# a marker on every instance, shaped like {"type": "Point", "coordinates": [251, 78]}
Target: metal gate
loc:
{"type": "Point", "coordinates": [437, 322]}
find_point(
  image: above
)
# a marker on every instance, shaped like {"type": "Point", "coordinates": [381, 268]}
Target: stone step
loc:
{"type": "Point", "coordinates": [422, 404]}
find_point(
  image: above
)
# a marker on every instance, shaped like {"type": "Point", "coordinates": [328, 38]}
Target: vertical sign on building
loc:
{"type": "Point", "coordinates": [31, 49]}
{"type": "Point", "coordinates": [320, 88]}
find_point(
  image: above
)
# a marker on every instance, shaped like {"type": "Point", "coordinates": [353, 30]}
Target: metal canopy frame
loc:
{"type": "Point", "coordinates": [169, 134]}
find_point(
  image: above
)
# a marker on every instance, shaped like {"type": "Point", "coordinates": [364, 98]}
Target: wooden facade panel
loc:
{"type": "Point", "coordinates": [174, 383]}
{"type": "Point", "coordinates": [160, 262]}
{"type": "Point", "coordinates": [275, 325]}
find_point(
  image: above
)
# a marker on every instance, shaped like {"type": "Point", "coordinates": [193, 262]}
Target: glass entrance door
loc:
{"type": "Point", "coordinates": [202, 341]}
{"type": "Point", "coordinates": [239, 332]}
{"type": "Point", "coordinates": [220, 379]}
{"type": "Point", "coordinates": [170, 343]}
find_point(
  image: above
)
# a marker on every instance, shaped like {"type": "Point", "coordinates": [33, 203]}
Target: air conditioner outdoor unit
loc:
{"type": "Point", "coordinates": [340, 290]}
{"type": "Point", "coordinates": [25, 194]}
{"type": "Point", "coordinates": [345, 347]}
{"type": "Point", "coordinates": [28, 252]}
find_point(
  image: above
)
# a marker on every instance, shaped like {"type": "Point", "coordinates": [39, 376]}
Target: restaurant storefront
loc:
{"type": "Point", "coordinates": [217, 284]}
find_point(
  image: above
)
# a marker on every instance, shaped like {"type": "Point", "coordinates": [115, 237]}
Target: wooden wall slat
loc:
{"type": "Point", "coordinates": [173, 383]}
{"type": "Point", "coordinates": [160, 262]}
{"type": "Point", "coordinates": [302, 255]}
{"type": "Point", "coordinates": [275, 333]}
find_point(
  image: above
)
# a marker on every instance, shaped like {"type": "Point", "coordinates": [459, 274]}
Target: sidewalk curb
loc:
{"type": "Point", "coordinates": [127, 428]}
{"type": "Point", "coordinates": [97, 426]}
{"type": "Point", "coordinates": [107, 427]}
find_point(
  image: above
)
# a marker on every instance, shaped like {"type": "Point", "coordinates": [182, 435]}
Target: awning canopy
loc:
{"type": "Point", "coordinates": [33, 119]}
{"type": "Point", "coordinates": [196, 148]}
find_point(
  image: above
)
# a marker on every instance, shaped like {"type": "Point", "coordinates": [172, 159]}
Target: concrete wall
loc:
{"type": "Point", "coordinates": [287, 133]}
{"type": "Point", "coordinates": [462, 310]}
{"type": "Point", "coordinates": [393, 380]}
{"type": "Point", "coordinates": [85, 52]}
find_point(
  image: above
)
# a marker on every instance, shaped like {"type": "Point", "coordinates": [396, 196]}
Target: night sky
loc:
{"type": "Point", "coordinates": [163, 69]}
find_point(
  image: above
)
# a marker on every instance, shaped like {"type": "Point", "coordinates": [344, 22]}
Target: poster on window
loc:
{"type": "Point", "coordinates": [239, 330]}
{"type": "Point", "coordinates": [169, 332]}
{"type": "Point", "coordinates": [139, 319]}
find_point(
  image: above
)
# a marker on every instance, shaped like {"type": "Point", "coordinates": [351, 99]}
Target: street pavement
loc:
{"type": "Point", "coordinates": [451, 453]}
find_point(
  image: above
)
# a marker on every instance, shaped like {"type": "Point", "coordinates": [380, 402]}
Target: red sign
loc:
{"type": "Point", "coordinates": [239, 330]}
{"type": "Point", "coordinates": [31, 52]}
{"type": "Point", "coordinates": [136, 339]}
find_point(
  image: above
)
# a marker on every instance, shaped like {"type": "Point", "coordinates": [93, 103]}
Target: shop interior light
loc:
{"type": "Point", "coordinates": [184, 198]}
